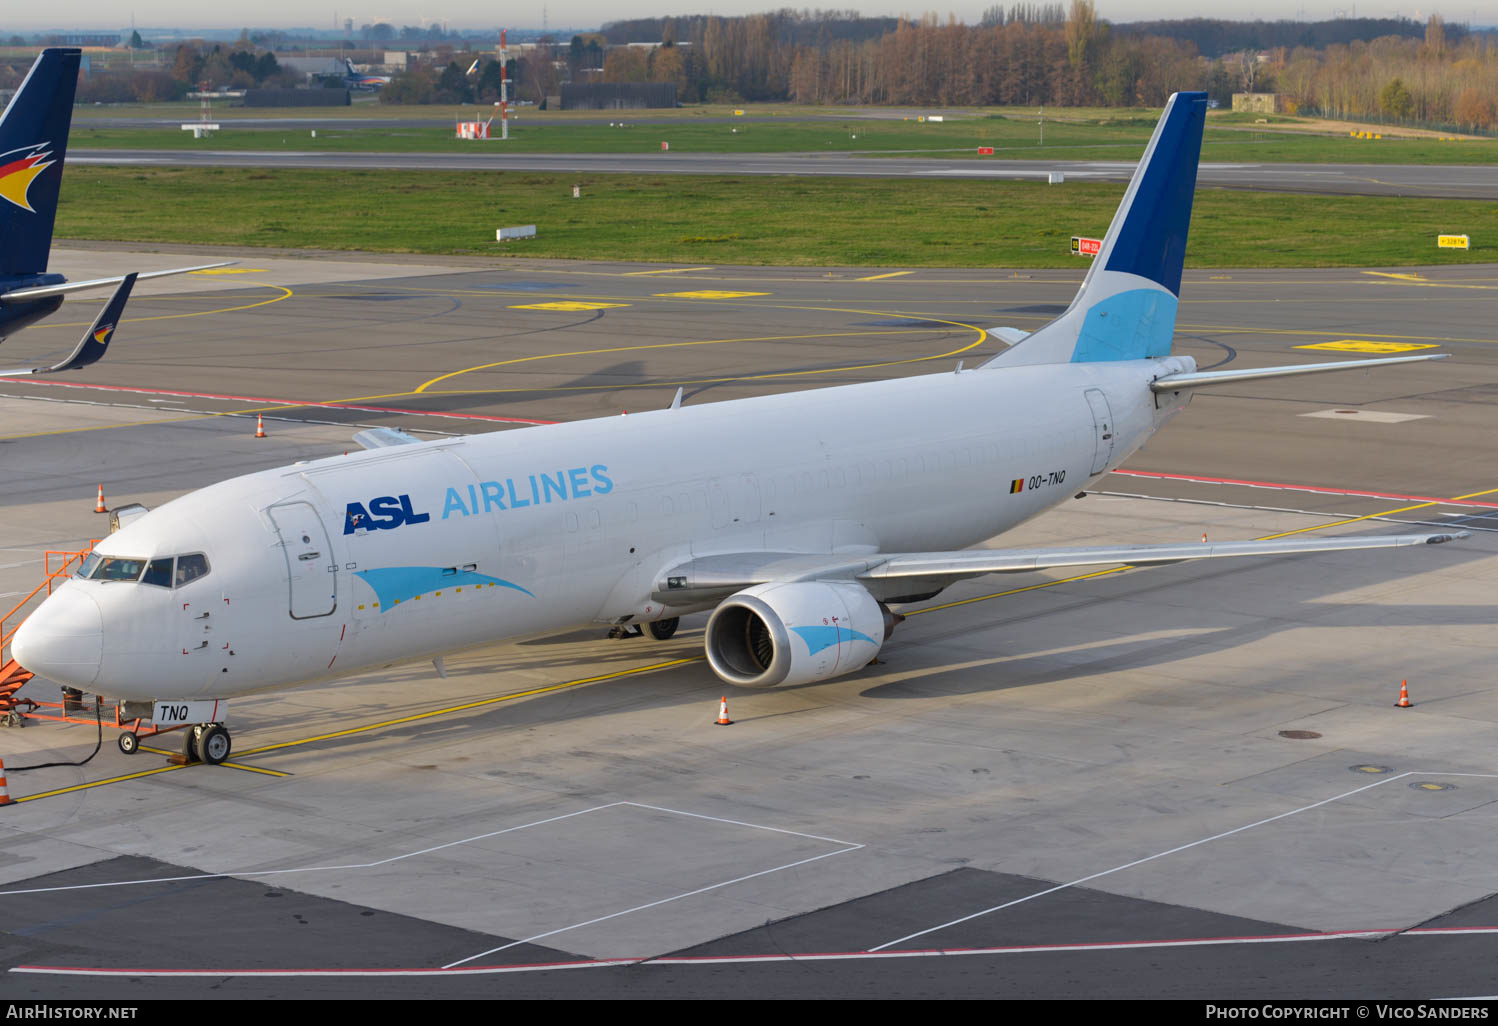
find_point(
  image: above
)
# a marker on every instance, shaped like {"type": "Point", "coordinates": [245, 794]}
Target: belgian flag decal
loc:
{"type": "Point", "coordinates": [1016, 486]}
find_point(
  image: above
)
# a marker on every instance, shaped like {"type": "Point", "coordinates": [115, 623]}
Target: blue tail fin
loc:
{"type": "Point", "coordinates": [33, 142]}
{"type": "Point", "coordinates": [1126, 307]}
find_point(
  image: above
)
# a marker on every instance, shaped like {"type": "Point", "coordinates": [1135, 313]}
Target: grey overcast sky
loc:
{"type": "Point", "coordinates": [109, 14]}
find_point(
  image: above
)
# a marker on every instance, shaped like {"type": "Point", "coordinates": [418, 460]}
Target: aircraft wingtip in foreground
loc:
{"type": "Point", "coordinates": [797, 519]}
{"type": "Point", "coordinates": [33, 147]}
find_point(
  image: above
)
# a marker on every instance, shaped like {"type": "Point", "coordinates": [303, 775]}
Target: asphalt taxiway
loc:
{"type": "Point", "coordinates": [1184, 781]}
{"type": "Point", "coordinates": [1453, 181]}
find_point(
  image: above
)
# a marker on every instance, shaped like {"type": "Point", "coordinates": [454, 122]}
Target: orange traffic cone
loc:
{"type": "Point", "coordinates": [259, 426]}
{"type": "Point", "coordinates": [99, 506]}
{"type": "Point", "coordinates": [1404, 696]}
{"type": "Point", "coordinates": [5, 798]}
{"type": "Point", "coordinates": [1204, 537]}
{"type": "Point", "coordinates": [723, 720]}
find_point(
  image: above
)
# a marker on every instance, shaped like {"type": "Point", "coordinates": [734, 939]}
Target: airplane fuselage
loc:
{"type": "Point", "coordinates": [330, 567]}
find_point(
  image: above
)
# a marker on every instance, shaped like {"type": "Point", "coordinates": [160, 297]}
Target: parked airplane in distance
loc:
{"type": "Point", "coordinates": [798, 519]}
{"type": "Point", "coordinates": [362, 81]}
{"type": "Point", "coordinates": [33, 143]}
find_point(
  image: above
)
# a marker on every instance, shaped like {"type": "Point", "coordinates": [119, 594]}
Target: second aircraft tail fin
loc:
{"type": "Point", "coordinates": [33, 142]}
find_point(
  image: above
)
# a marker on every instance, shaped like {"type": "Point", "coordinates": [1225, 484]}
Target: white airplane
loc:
{"type": "Point", "coordinates": [798, 519]}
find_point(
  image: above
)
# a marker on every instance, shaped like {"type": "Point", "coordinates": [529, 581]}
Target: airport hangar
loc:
{"type": "Point", "coordinates": [1161, 782]}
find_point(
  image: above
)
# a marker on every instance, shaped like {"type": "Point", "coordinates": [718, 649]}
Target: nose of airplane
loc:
{"type": "Point", "coordinates": [63, 640]}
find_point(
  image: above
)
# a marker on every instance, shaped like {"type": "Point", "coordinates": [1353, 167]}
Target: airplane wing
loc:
{"type": "Point", "coordinates": [95, 340]}
{"type": "Point", "coordinates": [383, 438]}
{"type": "Point", "coordinates": [43, 291]}
{"type": "Point", "coordinates": [718, 576]}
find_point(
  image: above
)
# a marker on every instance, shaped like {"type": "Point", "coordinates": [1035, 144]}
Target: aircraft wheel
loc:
{"type": "Point", "coordinates": [190, 743]}
{"type": "Point", "coordinates": [129, 743]}
{"type": "Point", "coordinates": [660, 630]}
{"type": "Point", "coordinates": [214, 744]}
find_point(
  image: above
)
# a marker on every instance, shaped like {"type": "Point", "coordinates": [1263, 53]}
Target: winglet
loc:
{"type": "Point", "coordinates": [91, 347]}
{"type": "Point", "coordinates": [95, 341]}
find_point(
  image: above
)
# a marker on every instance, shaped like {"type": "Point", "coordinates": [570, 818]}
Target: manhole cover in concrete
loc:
{"type": "Point", "coordinates": [1365, 768]}
{"type": "Point", "coordinates": [1300, 735]}
{"type": "Point", "coordinates": [1431, 785]}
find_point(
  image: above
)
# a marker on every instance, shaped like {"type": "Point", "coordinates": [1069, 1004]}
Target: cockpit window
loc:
{"type": "Point", "coordinates": [118, 568]}
{"type": "Point", "coordinates": [153, 571]}
{"type": "Point", "coordinates": [158, 572]}
{"type": "Point", "coordinates": [190, 568]}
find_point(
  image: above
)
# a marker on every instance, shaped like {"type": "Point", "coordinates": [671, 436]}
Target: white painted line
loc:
{"type": "Point", "coordinates": [847, 847]}
{"type": "Point", "coordinates": [308, 869]}
{"type": "Point", "coordinates": [735, 822]}
{"type": "Point", "coordinates": [640, 908]}
{"type": "Point", "coordinates": [1171, 851]}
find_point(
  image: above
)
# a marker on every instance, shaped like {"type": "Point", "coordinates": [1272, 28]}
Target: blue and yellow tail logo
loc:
{"type": "Point", "coordinates": [19, 168]}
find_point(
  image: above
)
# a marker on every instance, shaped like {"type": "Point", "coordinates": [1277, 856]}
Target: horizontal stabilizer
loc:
{"type": "Point", "coordinates": [95, 340]}
{"type": "Point", "coordinates": [384, 438]}
{"type": "Point", "coordinates": [1201, 379]}
{"type": "Point", "coordinates": [44, 291]}
{"type": "Point", "coordinates": [1009, 335]}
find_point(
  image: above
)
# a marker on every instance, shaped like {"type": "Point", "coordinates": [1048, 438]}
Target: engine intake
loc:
{"type": "Point", "coordinates": [780, 634]}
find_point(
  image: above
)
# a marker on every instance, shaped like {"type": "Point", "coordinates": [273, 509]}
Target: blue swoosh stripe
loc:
{"type": "Point", "coordinates": [393, 584]}
{"type": "Point", "coordinates": [818, 637]}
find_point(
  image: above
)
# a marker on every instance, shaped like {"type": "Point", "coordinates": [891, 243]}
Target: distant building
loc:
{"type": "Point", "coordinates": [310, 66]}
{"type": "Point", "coordinates": [86, 39]}
{"type": "Point", "coordinates": [1257, 103]}
{"type": "Point", "coordinates": [618, 95]}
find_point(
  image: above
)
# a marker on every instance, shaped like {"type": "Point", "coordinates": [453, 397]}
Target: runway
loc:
{"type": "Point", "coordinates": [1449, 181]}
{"type": "Point", "coordinates": [1187, 781]}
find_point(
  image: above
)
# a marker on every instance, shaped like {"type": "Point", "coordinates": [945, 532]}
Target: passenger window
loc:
{"type": "Point", "coordinates": [159, 573]}
{"type": "Point", "coordinates": [190, 568]}
{"type": "Point", "coordinates": [119, 568]}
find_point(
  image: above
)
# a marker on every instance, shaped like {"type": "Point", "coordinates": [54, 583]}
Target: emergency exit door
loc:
{"type": "Point", "coordinates": [1102, 424]}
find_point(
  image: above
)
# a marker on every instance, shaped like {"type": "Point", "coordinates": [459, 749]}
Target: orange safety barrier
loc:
{"type": "Point", "coordinates": [66, 563]}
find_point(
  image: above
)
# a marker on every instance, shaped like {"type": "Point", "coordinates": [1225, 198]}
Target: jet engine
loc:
{"type": "Point", "coordinates": [774, 634]}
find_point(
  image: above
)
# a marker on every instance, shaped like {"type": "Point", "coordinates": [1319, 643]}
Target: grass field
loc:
{"type": "Point", "coordinates": [1078, 136]}
{"type": "Point", "coordinates": [726, 220]}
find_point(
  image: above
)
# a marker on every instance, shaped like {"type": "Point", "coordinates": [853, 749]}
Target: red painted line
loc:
{"type": "Point", "coordinates": [1303, 488]}
{"type": "Point", "coordinates": [1283, 938]}
{"type": "Point", "coordinates": [291, 402]}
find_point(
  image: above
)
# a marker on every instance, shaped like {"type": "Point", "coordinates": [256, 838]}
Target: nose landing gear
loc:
{"type": "Point", "coordinates": [207, 742]}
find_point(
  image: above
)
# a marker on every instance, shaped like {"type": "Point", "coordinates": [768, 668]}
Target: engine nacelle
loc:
{"type": "Point", "coordinates": [773, 634]}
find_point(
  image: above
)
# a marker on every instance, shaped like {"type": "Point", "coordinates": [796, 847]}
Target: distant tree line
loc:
{"type": "Point", "coordinates": [1214, 37]}
{"type": "Point", "coordinates": [1032, 54]}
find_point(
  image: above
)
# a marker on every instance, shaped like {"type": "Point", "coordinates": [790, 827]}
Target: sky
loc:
{"type": "Point", "coordinates": [110, 14]}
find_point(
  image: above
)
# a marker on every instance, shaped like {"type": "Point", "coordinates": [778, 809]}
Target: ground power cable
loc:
{"type": "Point", "coordinates": [98, 721]}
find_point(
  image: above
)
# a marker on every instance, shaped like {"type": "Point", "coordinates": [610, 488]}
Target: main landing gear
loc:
{"type": "Point", "coordinates": [660, 630]}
